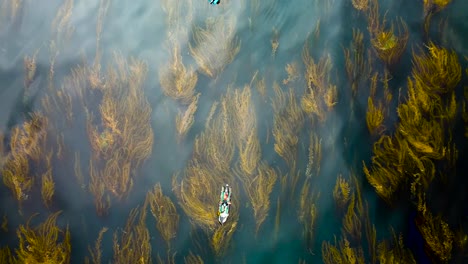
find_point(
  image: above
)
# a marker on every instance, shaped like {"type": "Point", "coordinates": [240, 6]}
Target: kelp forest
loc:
{"type": "Point", "coordinates": [343, 142]}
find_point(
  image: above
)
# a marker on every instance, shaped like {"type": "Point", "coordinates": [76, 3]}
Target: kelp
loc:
{"type": "Point", "coordinates": [438, 70]}
{"type": "Point", "coordinates": [307, 213]}
{"type": "Point", "coordinates": [321, 94]}
{"type": "Point", "coordinates": [41, 244]}
{"type": "Point", "coordinates": [258, 188]}
{"type": "Point", "coordinates": [134, 245]}
{"type": "Point", "coordinates": [387, 173]}
{"type": "Point", "coordinates": [27, 143]}
{"type": "Point", "coordinates": [215, 45]}
{"type": "Point", "coordinates": [389, 43]}
{"type": "Point", "coordinates": [222, 236]}
{"type": "Point", "coordinates": [355, 215]}
{"type": "Point", "coordinates": [288, 121]}
{"type": "Point", "coordinates": [374, 117]}
{"type": "Point", "coordinates": [438, 236]}
{"type": "Point", "coordinates": [124, 137]}
{"type": "Point", "coordinates": [342, 193]}
{"type": "Point", "coordinates": [48, 184]}
{"type": "Point", "coordinates": [431, 7]}
{"type": "Point", "coordinates": [245, 124]}
{"type": "Point", "coordinates": [360, 5]}
{"type": "Point", "coordinates": [185, 119]}
{"type": "Point", "coordinates": [341, 252]}
{"type": "Point", "coordinates": [164, 212]}
{"type": "Point", "coordinates": [357, 68]}
{"type": "Point", "coordinates": [62, 28]}
{"type": "Point", "coordinates": [6, 256]}
{"type": "Point", "coordinates": [178, 82]}
{"type": "Point", "coordinates": [96, 252]}
{"type": "Point", "coordinates": [274, 42]}
{"type": "Point", "coordinates": [315, 155]}
{"type": "Point", "coordinates": [394, 251]}
{"type": "Point", "coordinates": [193, 259]}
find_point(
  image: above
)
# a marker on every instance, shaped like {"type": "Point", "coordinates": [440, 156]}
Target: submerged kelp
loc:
{"type": "Point", "coordinates": [27, 144]}
{"type": "Point", "coordinates": [164, 212]}
{"type": "Point", "coordinates": [41, 244]}
{"type": "Point", "coordinates": [388, 44]}
{"type": "Point", "coordinates": [209, 169]}
{"type": "Point", "coordinates": [133, 246]}
{"type": "Point", "coordinates": [215, 45]}
{"type": "Point", "coordinates": [123, 139]}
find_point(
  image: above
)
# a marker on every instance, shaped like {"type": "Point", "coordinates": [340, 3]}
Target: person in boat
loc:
{"type": "Point", "coordinates": [224, 204]}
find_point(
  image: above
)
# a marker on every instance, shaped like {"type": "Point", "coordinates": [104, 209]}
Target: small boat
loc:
{"type": "Point", "coordinates": [214, 2]}
{"type": "Point", "coordinates": [224, 204]}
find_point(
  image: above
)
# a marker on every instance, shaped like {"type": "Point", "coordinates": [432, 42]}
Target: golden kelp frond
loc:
{"type": "Point", "coordinates": [430, 8]}
{"type": "Point", "coordinates": [215, 46]}
{"type": "Point", "coordinates": [40, 245]}
{"type": "Point", "coordinates": [222, 236]}
{"type": "Point", "coordinates": [437, 235]}
{"type": "Point", "coordinates": [352, 226]}
{"type": "Point", "coordinates": [96, 251]}
{"type": "Point", "coordinates": [418, 96]}
{"type": "Point", "coordinates": [250, 153]}
{"type": "Point", "coordinates": [198, 195]}
{"type": "Point", "coordinates": [164, 212]}
{"type": "Point", "coordinates": [341, 193]}
{"type": "Point", "coordinates": [307, 213]}
{"type": "Point", "coordinates": [16, 176]}
{"type": "Point", "coordinates": [122, 138]}
{"type": "Point", "coordinates": [61, 26]}
{"type": "Point", "coordinates": [439, 70]}
{"type": "Point", "coordinates": [321, 94]}
{"type": "Point", "coordinates": [258, 188]}
{"type": "Point", "coordinates": [388, 166]}
{"type": "Point", "coordinates": [176, 80]}
{"type": "Point", "coordinates": [426, 136]}
{"type": "Point", "coordinates": [315, 155]}
{"type": "Point", "coordinates": [30, 138]}
{"type": "Point", "coordinates": [360, 5]}
{"type": "Point", "coordinates": [374, 117]}
{"type": "Point", "coordinates": [461, 239]}
{"type": "Point", "coordinates": [292, 69]}
{"type": "Point", "coordinates": [388, 44]}
{"type": "Point", "coordinates": [261, 87]}
{"type": "Point", "coordinates": [134, 243]}
{"type": "Point", "coordinates": [394, 252]}
{"type": "Point", "coordinates": [274, 42]}
{"type": "Point", "coordinates": [244, 113]}
{"type": "Point", "coordinates": [356, 66]}
{"type": "Point", "coordinates": [193, 259]}
{"type": "Point", "coordinates": [29, 71]}
{"type": "Point", "coordinates": [48, 185]}
{"type": "Point", "coordinates": [184, 120]}
{"type": "Point", "coordinates": [6, 255]}
{"type": "Point", "coordinates": [288, 121]}
{"type": "Point", "coordinates": [216, 145]}
{"type": "Point", "coordinates": [4, 225]}
{"type": "Point", "coordinates": [97, 188]}
{"type": "Point", "coordinates": [246, 130]}
{"type": "Point", "coordinates": [342, 253]}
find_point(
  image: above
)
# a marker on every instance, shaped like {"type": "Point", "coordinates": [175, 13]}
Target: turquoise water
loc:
{"type": "Point", "coordinates": [138, 29]}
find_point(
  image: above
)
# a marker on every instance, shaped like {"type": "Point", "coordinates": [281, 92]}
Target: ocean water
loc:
{"type": "Point", "coordinates": [139, 29]}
